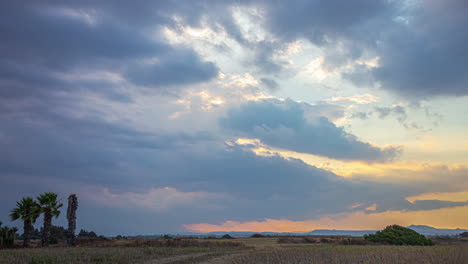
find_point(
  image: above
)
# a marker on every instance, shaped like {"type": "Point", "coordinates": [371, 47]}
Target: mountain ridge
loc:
{"type": "Point", "coordinates": [422, 229]}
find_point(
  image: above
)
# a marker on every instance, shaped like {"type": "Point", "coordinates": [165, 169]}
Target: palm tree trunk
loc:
{"type": "Point", "coordinates": [27, 226]}
{"type": "Point", "coordinates": [71, 216]}
{"type": "Point", "coordinates": [46, 229]}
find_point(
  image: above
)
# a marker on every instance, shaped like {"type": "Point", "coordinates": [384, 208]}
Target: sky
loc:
{"type": "Point", "coordinates": [199, 116]}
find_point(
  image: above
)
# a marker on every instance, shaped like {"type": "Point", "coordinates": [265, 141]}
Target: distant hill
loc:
{"type": "Point", "coordinates": [332, 232]}
{"type": "Point", "coordinates": [422, 229]}
{"type": "Point", "coordinates": [431, 231]}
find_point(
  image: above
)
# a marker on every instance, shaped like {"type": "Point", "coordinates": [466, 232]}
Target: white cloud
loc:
{"type": "Point", "coordinates": [249, 20]}
{"type": "Point", "coordinates": [358, 99]}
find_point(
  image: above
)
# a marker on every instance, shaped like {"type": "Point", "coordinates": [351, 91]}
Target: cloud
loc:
{"type": "Point", "coordinates": [444, 196]}
{"type": "Point", "coordinates": [421, 51]}
{"type": "Point", "coordinates": [360, 115]}
{"type": "Point", "coordinates": [297, 127]}
{"type": "Point", "coordinates": [331, 25]}
{"type": "Point", "coordinates": [405, 37]}
{"type": "Point", "coordinates": [397, 110]}
{"type": "Point", "coordinates": [133, 163]}
{"type": "Point", "coordinates": [422, 205]}
{"type": "Point", "coordinates": [358, 99]}
{"type": "Point", "coordinates": [401, 114]}
{"type": "Point", "coordinates": [94, 98]}
{"type": "Point", "coordinates": [176, 67]}
{"type": "Point", "coordinates": [47, 42]}
{"type": "Point", "coordinates": [271, 84]}
{"type": "Point", "coordinates": [59, 152]}
{"type": "Point", "coordinates": [332, 112]}
{"type": "Point", "coordinates": [54, 142]}
{"type": "Point", "coordinates": [425, 56]}
{"type": "Point", "coordinates": [158, 199]}
{"type": "Point", "coordinates": [318, 21]}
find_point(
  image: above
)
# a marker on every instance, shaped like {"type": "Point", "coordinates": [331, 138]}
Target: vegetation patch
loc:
{"type": "Point", "coordinates": [44, 259]}
{"type": "Point", "coordinates": [398, 235]}
{"type": "Point", "coordinates": [7, 236]}
{"type": "Point", "coordinates": [297, 240]}
{"type": "Point", "coordinates": [325, 254]}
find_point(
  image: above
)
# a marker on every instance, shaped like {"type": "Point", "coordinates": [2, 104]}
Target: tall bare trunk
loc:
{"type": "Point", "coordinates": [46, 229]}
{"type": "Point", "coordinates": [71, 216]}
{"type": "Point", "coordinates": [27, 227]}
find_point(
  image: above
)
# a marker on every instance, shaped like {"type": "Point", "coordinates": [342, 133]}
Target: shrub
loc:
{"type": "Point", "coordinates": [296, 240]}
{"type": "Point", "coordinates": [90, 241]}
{"type": "Point", "coordinates": [227, 236]}
{"type": "Point", "coordinates": [257, 235]}
{"type": "Point", "coordinates": [398, 235]}
{"type": "Point", "coordinates": [7, 236]}
{"type": "Point", "coordinates": [352, 241]}
{"type": "Point", "coordinates": [57, 233]}
{"type": "Point", "coordinates": [90, 234]}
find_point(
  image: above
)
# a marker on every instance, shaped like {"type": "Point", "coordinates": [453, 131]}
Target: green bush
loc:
{"type": "Point", "coordinates": [398, 235]}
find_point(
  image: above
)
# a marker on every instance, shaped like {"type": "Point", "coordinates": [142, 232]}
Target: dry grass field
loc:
{"type": "Point", "coordinates": [355, 254]}
{"type": "Point", "coordinates": [237, 251]}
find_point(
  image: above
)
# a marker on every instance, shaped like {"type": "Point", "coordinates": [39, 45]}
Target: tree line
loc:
{"type": "Point", "coordinates": [28, 210]}
{"type": "Point", "coordinates": [7, 236]}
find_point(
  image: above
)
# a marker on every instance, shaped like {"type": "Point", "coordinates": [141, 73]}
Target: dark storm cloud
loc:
{"type": "Point", "coordinates": [324, 21]}
{"type": "Point", "coordinates": [58, 149]}
{"type": "Point", "coordinates": [284, 124]}
{"type": "Point", "coordinates": [184, 67]}
{"type": "Point", "coordinates": [41, 42]}
{"type": "Point", "coordinates": [125, 160]}
{"type": "Point", "coordinates": [352, 24]}
{"type": "Point", "coordinates": [59, 41]}
{"type": "Point", "coordinates": [43, 143]}
{"type": "Point", "coordinates": [427, 57]}
{"type": "Point", "coordinates": [421, 45]}
{"type": "Point", "coordinates": [52, 151]}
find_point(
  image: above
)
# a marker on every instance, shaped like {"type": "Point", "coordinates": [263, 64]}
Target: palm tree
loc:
{"type": "Point", "coordinates": [50, 207]}
{"type": "Point", "coordinates": [7, 236]}
{"type": "Point", "coordinates": [71, 216]}
{"type": "Point", "coordinates": [27, 210]}
{"type": "Point", "coordinates": [3, 232]}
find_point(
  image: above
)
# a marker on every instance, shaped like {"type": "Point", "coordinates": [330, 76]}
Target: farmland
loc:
{"type": "Point", "coordinates": [239, 250]}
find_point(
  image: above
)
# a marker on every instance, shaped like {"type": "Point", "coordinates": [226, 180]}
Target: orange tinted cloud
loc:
{"type": "Point", "coordinates": [401, 170]}
{"type": "Point", "coordinates": [441, 218]}
{"type": "Point", "coordinates": [372, 207]}
{"type": "Point", "coordinates": [442, 196]}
